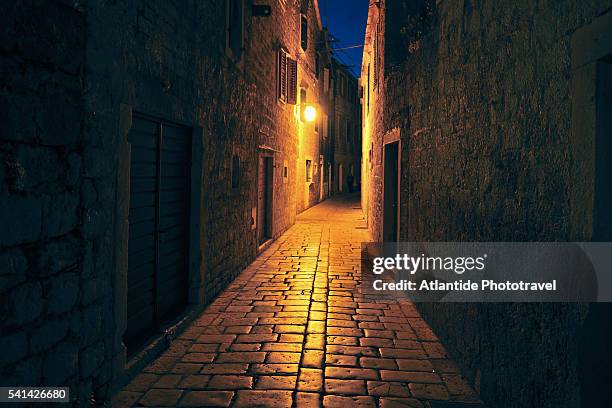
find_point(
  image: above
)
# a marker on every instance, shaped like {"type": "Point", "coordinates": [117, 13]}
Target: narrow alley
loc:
{"type": "Point", "coordinates": [300, 311]}
{"type": "Point", "coordinates": [186, 187]}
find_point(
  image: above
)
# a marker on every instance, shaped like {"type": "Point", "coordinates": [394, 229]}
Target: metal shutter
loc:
{"type": "Point", "coordinates": [158, 226]}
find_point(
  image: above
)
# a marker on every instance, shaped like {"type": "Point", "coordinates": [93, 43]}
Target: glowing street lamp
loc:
{"type": "Point", "coordinates": [310, 113]}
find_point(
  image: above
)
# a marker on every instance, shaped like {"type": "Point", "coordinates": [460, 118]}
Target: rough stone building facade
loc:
{"type": "Point", "coordinates": [346, 129]}
{"type": "Point", "coordinates": [140, 144]}
{"type": "Point", "coordinates": [492, 117]}
{"type": "Point", "coordinates": [372, 114]}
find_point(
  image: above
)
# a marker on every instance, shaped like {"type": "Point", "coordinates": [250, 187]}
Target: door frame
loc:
{"type": "Point", "coordinates": [266, 154]}
{"type": "Point", "coordinates": [321, 177]}
{"type": "Point", "coordinates": [583, 136]}
{"type": "Point", "coordinates": [389, 138]}
{"type": "Point", "coordinates": [122, 368]}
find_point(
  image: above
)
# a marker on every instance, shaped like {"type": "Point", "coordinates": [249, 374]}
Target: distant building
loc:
{"type": "Point", "coordinates": [345, 130]}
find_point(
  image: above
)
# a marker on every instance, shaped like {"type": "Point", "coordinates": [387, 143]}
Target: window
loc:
{"type": "Point", "coordinates": [321, 126]}
{"type": "Point", "coordinates": [342, 84]}
{"type": "Point", "coordinates": [287, 78]}
{"type": "Point", "coordinates": [326, 80]}
{"type": "Point", "coordinates": [235, 172]}
{"type": "Point", "coordinates": [285, 171]}
{"type": "Point", "coordinates": [308, 170]}
{"type": "Point", "coordinates": [304, 31]}
{"type": "Point", "coordinates": [234, 37]}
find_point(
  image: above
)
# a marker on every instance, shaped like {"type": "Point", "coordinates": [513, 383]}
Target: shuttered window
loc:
{"type": "Point", "coordinates": [304, 31]}
{"type": "Point", "coordinates": [291, 81]}
{"type": "Point", "coordinates": [287, 78]}
{"type": "Point", "coordinates": [282, 75]}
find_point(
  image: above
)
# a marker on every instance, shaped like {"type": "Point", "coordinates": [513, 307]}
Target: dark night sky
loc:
{"type": "Point", "coordinates": [346, 20]}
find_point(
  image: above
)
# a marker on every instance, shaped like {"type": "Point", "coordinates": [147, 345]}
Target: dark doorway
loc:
{"type": "Point", "coordinates": [602, 217]}
{"type": "Point", "coordinates": [329, 180]}
{"type": "Point", "coordinates": [158, 227]}
{"type": "Point", "coordinates": [391, 193]}
{"type": "Point", "coordinates": [264, 199]}
{"type": "Point", "coordinates": [596, 334]}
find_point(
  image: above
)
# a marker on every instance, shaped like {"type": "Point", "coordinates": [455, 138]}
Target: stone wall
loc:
{"type": "Point", "coordinates": [74, 78]}
{"type": "Point", "coordinates": [165, 60]}
{"type": "Point", "coordinates": [482, 94]}
{"type": "Point", "coordinates": [54, 296]}
{"type": "Point", "coordinates": [372, 122]}
{"type": "Point", "coordinates": [277, 124]}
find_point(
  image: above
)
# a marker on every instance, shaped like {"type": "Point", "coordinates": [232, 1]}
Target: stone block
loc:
{"type": "Point", "coordinates": [60, 214]}
{"type": "Point", "coordinates": [89, 196]}
{"type": "Point", "coordinates": [21, 221]}
{"type": "Point", "coordinates": [61, 363]}
{"type": "Point", "coordinates": [28, 371]}
{"type": "Point", "coordinates": [60, 123]}
{"type": "Point", "coordinates": [55, 256]}
{"type": "Point", "coordinates": [63, 294]}
{"type": "Point", "coordinates": [14, 346]}
{"type": "Point", "coordinates": [12, 272]}
{"type": "Point", "coordinates": [91, 359]}
{"type": "Point", "coordinates": [16, 114]}
{"type": "Point", "coordinates": [93, 290]}
{"type": "Point", "coordinates": [95, 162]}
{"type": "Point", "coordinates": [24, 304]}
{"type": "Point", "coordinates": [49, 334]}
{"type": "Point", "coordinates": [73, 170]}
{"type": "Point", "coordinates": [95, 221]}
{"type": "Point", "coordinates": [92, 324]}
{"type": "Point", "coordinates": [36, 169]}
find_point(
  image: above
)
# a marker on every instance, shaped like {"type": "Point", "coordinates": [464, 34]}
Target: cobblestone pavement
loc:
{"type": "Point", "coordinates": [298, 328]}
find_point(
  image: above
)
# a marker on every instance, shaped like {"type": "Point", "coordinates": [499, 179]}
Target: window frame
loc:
{"type": "Point", "coordinates": [286, 74]}
{"type": "Point", "coordinates": [308, 171]}
{"type": "Point", "coordinates": [304, 31]}
{"type": "Point", "coordinates": [230, 51]}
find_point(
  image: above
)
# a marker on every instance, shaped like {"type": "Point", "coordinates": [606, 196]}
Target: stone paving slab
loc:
{"type": "Point", "coordinates": [301, 328]}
